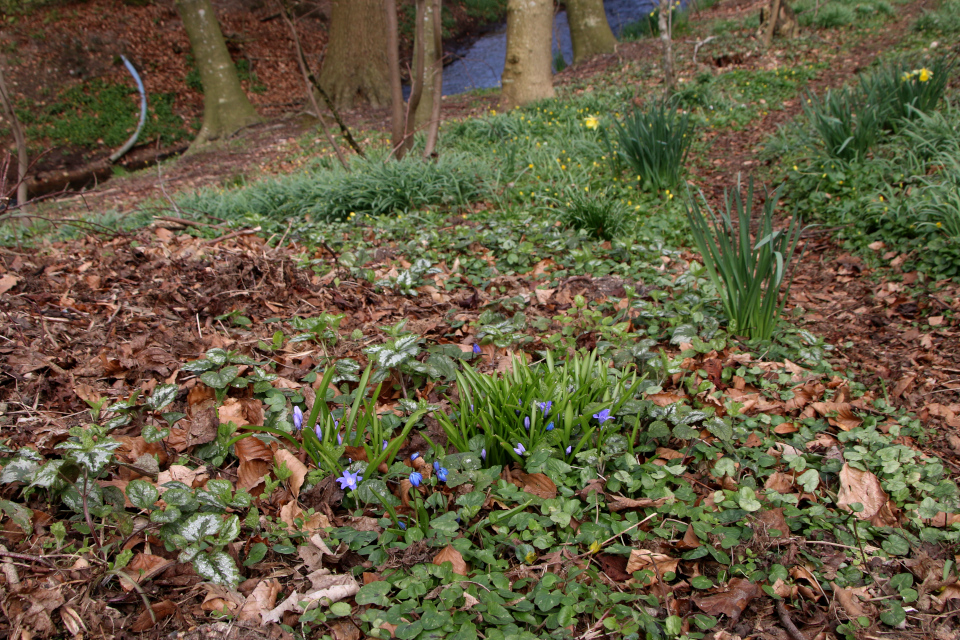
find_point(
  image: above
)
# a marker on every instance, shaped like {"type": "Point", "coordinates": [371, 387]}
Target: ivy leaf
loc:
{"type": "Point", "coordinates": [217, 567]}
{"type": "Point", "coordinates": [747, 498]}
{"type": "Point", "coordinates": [374, 593]}
{"type": "Point", "coordinates": [142, 494]}
{"type": "Point", "coordinates": [720, 428]}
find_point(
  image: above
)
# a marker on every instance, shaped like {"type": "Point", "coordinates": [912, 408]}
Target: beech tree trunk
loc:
{"type": "Point", "coordinates": [355, 68]}
{"type": "Point", "coordinates": [665, 25]}
{"type": "Point", "coordinates": [589, 30]}
{"type": "Point", "coordinates": [226, 108]}
{"type": "Point", "coordinates": [528, 73]}
{"type": "Point", "coordinates": [431, 24]}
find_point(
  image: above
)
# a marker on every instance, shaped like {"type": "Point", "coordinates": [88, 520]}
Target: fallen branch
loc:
{"type": "Point", "coordinates": [791, 628]}
{"type": "Point", "coordinates": [235, 234]}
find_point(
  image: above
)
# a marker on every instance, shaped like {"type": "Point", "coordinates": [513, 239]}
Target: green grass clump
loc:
{"type": "Point", "coordinates": [848, 127]}
{"type": "Point", "coordinates": [653, 143]}
{"type": "Point", "coordinates": [372, 188]}
{"type": "Point", "coordinates": [601, 215]}
{"type": "Point", "coordinates": [945, 20]}
{"type": "Point", "coordinates": [750, 273]}
{"type": "Point", "coordinates": [535, 409]}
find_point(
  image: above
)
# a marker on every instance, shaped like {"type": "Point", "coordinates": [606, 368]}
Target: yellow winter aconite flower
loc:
{"type": "Point", "coordinates": [595, 546]}
{"type": "Point", "coordinates": [591, 122]}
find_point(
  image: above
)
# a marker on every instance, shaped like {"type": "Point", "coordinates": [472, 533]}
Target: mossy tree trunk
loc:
{"type": "Point", "coordinates": [355, 68]}
{"type": "Point", "coordinates": [665, 24]}
{"type": "Point", "coordinates": [589, 30]}
{"type": "Point", "coordinates": [226, 108]}
{"type": "Point", "coordinates": [528, 73]}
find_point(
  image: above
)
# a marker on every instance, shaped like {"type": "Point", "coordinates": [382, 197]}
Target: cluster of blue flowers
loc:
{"type": "Point", "coordinates": [545, 407]}
{"type": "Point", "coordinates": [416, 477]}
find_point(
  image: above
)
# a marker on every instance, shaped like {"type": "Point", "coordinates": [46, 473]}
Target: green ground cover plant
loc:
{"type": "Point", "coordinates": [509, 458]}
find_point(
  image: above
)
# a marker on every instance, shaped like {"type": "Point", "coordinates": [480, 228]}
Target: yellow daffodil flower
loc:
{"type": "Point", "coordinates": [591, 122]}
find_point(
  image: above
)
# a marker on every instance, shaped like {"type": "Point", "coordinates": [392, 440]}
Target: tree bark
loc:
{"type": "Point", "coordinates": [431, 26]}
{"type": "Point", "coordinates": [433, 129]}
{"type": "Point", "coordinates": [528, 73]}
{"type": "Point", "coordinates": [416, 79]}
{"type": "Point", "coordinates": [18, 137]}
{"type": "Point", "coordinates": [355, 69]}
{"type": "Point", "coordinates": [226, 108]}
{"type": "Point", "coordinates": [665, 25]}
{"type": "Point", "coordinates": [589, 30]}
{"type": "Point", "coordinates": [397, 122]}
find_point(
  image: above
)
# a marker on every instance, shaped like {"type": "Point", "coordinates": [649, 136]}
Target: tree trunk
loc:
{"type": "Point", "coordinates": [431, 23]}
{"type": "Point", "coordinates": [19, 138]}
{"type": "Point", "coordinates": [528, 73]}
{"type": "Point", "coordinates": [665, 25]}
{"type": "Point", "coordinates": [355, 68]}
{"type": "Point", "coordinates": [226, 108]}
{"type": "Point", "coordinates": [433, 129]}
{"type": "Point", "coordinates": [589, 29]}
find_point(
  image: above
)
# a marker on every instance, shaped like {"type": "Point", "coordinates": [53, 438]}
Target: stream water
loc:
{"type": "Point", "coordinates": [479, 65]}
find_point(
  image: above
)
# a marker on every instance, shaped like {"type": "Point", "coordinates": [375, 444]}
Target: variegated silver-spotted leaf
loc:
{"type": "Point", "coordinates": [18, 470]}
{"type": "Point", "coordinates": [96, 458]}
{"type": "Point", "coordinates": [693, 416]}
{"type": "Point", "coordinates": [239, 358]}
{"type": "Point", "coordinates": [709, 327]}
{"type": "Point", "coordinates": [220, 488]}
{"type": "Point", "coordinates": [218, 356]}
{"type": "Point", "coordinates": [229, 531]}
{"type": "Point", "coordinates": [21, 516]}
{"type": "Point", "coordinates": [152, 433]}
{"type": "Point", "coordinates": [219, 379]}
{"type": "Point", "coordinates": [374, 491]}
{"type": "Point", "coordinates": [166, 516]}
{"type": "Point", "coordinates": [683, 333]}
{"type": "Point", "coordinates": [117, 421]}
{"type": "Point", "coordinates": [188, 554]}
{"type": "Point", "coordinates": [200, 525]}
{"type": "Point", "coordinates": [163, 395]}
{"type": "Point", "coordinates": [719, 428]}
{"type": "Point", "coordinates": [217, 567]}
{"type": "Point", "coordinates": [46, 475]}
{"type": "Point", "coordinates": [74, 500]}
{"type": "Point", "coordinates": [211, 501]}
{"type": "Point", "coordinates": [198, 366]}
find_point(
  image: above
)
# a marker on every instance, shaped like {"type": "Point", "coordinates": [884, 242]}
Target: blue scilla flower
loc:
{"type": "Point", "coordinates": [349, 480]}
{"type": "Point", "coordinates": [569, 449]}
{"type": "Point", "coordinates": [603, 416]}
{"type": "Point", "coordinates": [414, 456]}
{"type": "Point", "coordinates": [416, 478]}
{"type": "Point", "coordinates": [483, 454]}
{"type": "Point", "coordinates": [550, 427]}
{"type": "Point", "coordinates": [317, 430]}
{"type": "Point", "coordinates": [545, 407]}
{"type": "Point", "coordinates": [402, 525]}
{"type": "Point", "coordinates": [440, 471]}
{"type": "Point", "coordinates": [526, 423]}
{"type": "Point", "coordinates": [519, 449]}
{"type": "Point", "coordinates": [476, 348]}
{"type": "Point", "coordinates": [297, 418]}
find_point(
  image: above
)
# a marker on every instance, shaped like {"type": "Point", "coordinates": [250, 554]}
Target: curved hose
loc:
{"type": "Point", "coordinates": [143, 113]}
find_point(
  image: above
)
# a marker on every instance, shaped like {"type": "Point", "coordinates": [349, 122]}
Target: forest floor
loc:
{"type": "Point", "coordinates": [101, 315]}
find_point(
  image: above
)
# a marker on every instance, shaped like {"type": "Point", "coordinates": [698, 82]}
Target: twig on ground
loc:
{"type": "Point", "coordinates": [791, 628]}
{"type": "Point", "coordinates": [235, 234]}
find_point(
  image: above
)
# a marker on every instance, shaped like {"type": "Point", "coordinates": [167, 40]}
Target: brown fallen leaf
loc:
{"type": "Point", "coordinates": [774, 522]}
{"type": "Point", "coordinates": [539, 485]}
{"type": "Point", "coordinates": [779, 482]}
{"type": "Point", "coordinates": [298, 470]}
{"type": "Point", "coordinates": [862, 487]}
{"type": "Point", "coordinates": [142, 567]}
{"type": "Point", "coordinates": [621, 503]}
{"type": "Point", "coordinates": [7, 282]}
{"type": "Point", "coordinates": [659, 563]}
{"type": "Point", "coordinates": [731, 602]}
{"type": "Point", "coordinates": [850, 601]}
{"type": "Point", "coordinates": [290, 512]}
{"type": "Point", "coordinates": [451, 555]}
{"type": "Point", "coordinates": [839, 414]}
{"type": "Point", "coordinates": [161, 610]}
{"type": "Point", "coordinates": [256, 460]}
{"type": "Point", "coordinates": [262, 600]}
{"type": "Point", "coordinates": [220, 598]}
